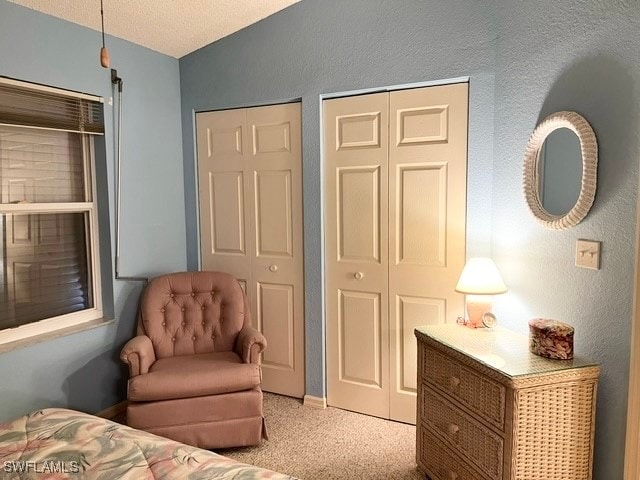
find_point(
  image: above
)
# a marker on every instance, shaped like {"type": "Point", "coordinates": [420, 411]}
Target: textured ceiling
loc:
{"type": "Point", "coordinates": [173, 27]}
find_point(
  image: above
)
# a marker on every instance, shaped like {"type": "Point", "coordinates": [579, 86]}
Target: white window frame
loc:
{"type": "Point", "coordinates": [90, 208]}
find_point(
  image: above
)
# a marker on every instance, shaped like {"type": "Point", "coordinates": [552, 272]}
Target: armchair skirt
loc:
{"type": "Point", "coordinates": [213, 421]}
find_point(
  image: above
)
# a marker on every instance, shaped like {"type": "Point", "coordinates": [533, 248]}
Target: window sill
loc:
{"type": "Point", "coordinates": [43, 337]}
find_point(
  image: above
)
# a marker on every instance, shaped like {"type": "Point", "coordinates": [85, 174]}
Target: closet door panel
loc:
{"type": "Point", "coordinates": [427, 217]}
{"type": "Point", "coordinates": [358, 213]}
{"type": "Point", "coordinates": [226, 240]}
{"type": "Point", "coordinates": [276, 321]}
{"type": "Point", "coordinates": [275, 168]}
{"type": "Point", "coordinates": [356, 238]}
{"type": "Point", "coordinates": [360, 346]}
{"type": "Point", "coordinates": [226, 207]}
{"type": "Point", "coordinates": [274, 229]}
{"type": "Point", "coordinates": [421, 214]}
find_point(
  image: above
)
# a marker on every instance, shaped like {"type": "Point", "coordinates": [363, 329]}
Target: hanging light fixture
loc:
{"type": "Point", "coordinates": [104, 53]}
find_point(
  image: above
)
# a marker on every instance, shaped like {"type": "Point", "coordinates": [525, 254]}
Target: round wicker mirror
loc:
{"type": "Point", "coordinates": [533, 176]}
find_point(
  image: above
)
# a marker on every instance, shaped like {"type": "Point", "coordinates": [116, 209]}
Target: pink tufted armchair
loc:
{"type": "Point", "coordinates": [194, 365]}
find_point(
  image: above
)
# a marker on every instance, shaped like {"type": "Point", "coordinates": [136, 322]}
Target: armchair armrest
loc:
{"type": "Point", "coordinates": [249, 344]}
{"type": "Point", "coordinates": [138, 354]}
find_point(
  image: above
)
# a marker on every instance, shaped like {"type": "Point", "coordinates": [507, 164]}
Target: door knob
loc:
{"type": "Point", "coordinates": [358, 275]}
{"type": "Point", "coordinates": [273, 268]}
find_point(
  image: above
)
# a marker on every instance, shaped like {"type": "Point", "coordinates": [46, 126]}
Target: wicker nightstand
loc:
{"type": "Point", "coordinates": [490, 410]}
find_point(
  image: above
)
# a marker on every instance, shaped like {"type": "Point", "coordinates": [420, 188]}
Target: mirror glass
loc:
{"type": "Point", "coordinates": [560, 171]}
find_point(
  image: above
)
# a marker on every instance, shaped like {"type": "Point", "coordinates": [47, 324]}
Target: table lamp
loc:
{"type": "Point", "coordinates": [479, 280]}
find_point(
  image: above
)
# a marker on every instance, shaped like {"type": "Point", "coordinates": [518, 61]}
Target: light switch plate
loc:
{"type": "Point", "coordinates": [588, 254]}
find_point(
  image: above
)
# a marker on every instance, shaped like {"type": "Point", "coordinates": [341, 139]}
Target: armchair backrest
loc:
{"type": "Point", "coordinates": [192, 312]}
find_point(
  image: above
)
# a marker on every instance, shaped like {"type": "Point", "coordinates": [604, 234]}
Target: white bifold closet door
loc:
{"type": "Point", "coordinates": [250, 197]}
{"type": "Point", "coordinates": [395, 210]}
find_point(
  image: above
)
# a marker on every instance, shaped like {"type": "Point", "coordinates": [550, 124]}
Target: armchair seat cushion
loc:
{"type": "Point", "coordinates": [188, 376]}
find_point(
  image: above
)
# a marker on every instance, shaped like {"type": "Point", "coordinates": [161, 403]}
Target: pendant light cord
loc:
{"type": "Point", "coordinates": [102, 19]}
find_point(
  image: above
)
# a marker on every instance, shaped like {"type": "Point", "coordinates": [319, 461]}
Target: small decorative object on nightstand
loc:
{"type": "Point", "coordinates": [489, 320]}
{"type": "Point", "coordinates": [488, 409]}
{"type": "Point", "coordinates": [551, 338]}
{"type": "Point", "coordinates": [479, 280]}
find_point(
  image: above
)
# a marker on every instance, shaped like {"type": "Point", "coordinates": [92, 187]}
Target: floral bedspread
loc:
{"type": "Point", "coordinates": [56, 444]}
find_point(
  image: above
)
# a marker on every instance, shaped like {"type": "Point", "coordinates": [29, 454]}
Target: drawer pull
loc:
{"type": "Point", "coordinates": [358, 275]}
{"type": "Point", "coordinates": [453, 429]}
{"type": "Point", "coordinates": [454, 382]}
{"type": "Point", "coordinates": [452, 475]}
{"type": "Point", "coordinates": [273, 268]}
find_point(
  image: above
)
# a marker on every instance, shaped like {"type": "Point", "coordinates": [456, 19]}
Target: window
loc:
{"type": "Point", "coordinates": [49, 265]}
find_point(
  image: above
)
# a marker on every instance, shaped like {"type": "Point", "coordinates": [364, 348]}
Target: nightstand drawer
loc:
{"type": "Point", "coordinates": [478, 393]}
{"type": "Point", "coordinates": [477, 443]}
{"type": "Point", "coordinates": [442, 464]}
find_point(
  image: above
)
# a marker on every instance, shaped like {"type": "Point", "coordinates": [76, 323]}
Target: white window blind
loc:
{"type": "Point", "coordinates": [43, 107]}
{"type": "Point", "coordinates": [48, 246]}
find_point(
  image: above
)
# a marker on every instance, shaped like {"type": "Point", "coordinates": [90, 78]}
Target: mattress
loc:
{"type": "Point", "coordinates": [57, 444]}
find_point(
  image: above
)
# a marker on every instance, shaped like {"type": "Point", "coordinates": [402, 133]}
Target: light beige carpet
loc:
{"type": "Point", "coordinates": [327, 444]}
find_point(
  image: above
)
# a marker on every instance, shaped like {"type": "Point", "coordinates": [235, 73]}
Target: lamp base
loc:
{"type": "Point", "coordinates": [477, 305]}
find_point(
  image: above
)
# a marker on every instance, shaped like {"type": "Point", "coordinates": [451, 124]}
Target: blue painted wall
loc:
{"type": "Point", "coordinates": [331, 46]}
{"type": "Point", "coordinates": [583, 56]}
{"type": "Point", "coordinates": [82, 371]}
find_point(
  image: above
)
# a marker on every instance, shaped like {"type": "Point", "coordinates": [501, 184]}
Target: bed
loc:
{"type": "Point", "coordinates": [57, 443]}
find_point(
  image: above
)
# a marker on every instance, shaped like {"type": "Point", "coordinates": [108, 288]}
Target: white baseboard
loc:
{"type": "Point", "coordinates": [113, 410]}
{"type": "Point", "coordinates": [315, 402]}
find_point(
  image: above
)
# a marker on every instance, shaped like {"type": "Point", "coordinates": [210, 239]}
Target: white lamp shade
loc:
{"type": "Point", "coordinates": [480, 276]}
